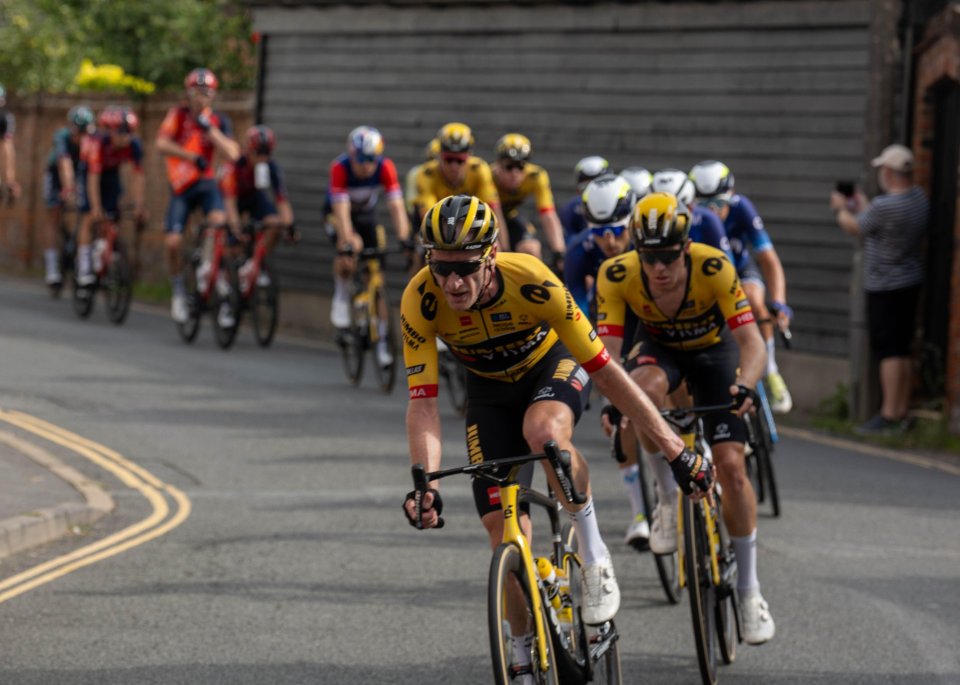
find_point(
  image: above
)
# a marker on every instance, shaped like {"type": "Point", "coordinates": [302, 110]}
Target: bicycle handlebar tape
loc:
{"type": "Point", "coordinates": [560, 459]}
{"type": "Point", "coordinates": [692, 470]}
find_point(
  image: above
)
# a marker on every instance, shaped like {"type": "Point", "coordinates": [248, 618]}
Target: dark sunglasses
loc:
{"type": "Point", "coordinates": [453, 159]}
{"type": "Point", "coordinates": [600, 231]}
{"type": "Point", "coordinates": [665, 257]}
{"type": "Point", "coordinates": [365, 159]}
{"type": "Point", "coordinates": [462, 269]}
{"type": "Point", "coordinates": [715, 204]}
{"type": "Point", "coordinates": [515, 166]}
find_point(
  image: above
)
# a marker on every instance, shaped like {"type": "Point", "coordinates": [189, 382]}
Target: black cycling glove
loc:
{"type": "Point", "coordinates": [200, 162]}
{"type": "Point", "coordinates": [692, 470]}
{"type": "Point", "coordinates": [743, 392]}
{"type": "Point", "coordinates": [436, 506]}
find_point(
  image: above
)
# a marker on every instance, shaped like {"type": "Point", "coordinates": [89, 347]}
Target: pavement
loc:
{"type": "Point", "coordinates": [41, 498]}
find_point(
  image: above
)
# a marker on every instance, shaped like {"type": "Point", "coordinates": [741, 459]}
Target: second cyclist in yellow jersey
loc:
{"type": "Point", "coordinates": [517, 178]}
{"type": "Point", "coordinates": [714, 298]}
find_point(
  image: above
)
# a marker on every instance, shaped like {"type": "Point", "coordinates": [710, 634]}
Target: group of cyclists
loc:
{"type": "Point", "coordinates": [84, 171]}
{"type": "Point", "coordinates": [654, 284]}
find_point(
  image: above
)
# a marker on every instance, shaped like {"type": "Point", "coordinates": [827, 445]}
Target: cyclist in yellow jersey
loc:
{"type": "Point", "coordinates": [517, 178]}
{"type": "Point", "coordinates": [456, 171]}
{"type": "Point", "coordinates": [685, 295]}
{"type": "Point", "coordinates": [530, 353]}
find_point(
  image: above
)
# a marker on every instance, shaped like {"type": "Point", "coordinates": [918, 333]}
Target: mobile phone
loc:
{"type": "Point", "coordinates": [845, 188]}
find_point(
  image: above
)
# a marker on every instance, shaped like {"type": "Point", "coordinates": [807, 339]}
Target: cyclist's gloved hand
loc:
{"type": "Point", "coordinates": [435, 504]}
{"type": "Point", "coordinates": [200, 162]}
{"type": "Point", "coordinates": [558, 258]}
{"type": "Point", "coordinates": [782, 308]}
{"type": "Point", "coordinates": [613, 416]}
{"type": "Point", "coordinates": [409, 250]}
{"type": "Point", "coordinates": [742, 393]}
{"type": "Point", "coordinates": [293, 235]}
{"type": "Point", "coordinates": [692, 471]}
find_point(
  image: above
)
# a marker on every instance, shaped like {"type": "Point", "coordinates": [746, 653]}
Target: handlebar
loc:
{"type": "Point", "coordinates": [560, 461]}
{"type": "Point", "coordinates": [684, 417]}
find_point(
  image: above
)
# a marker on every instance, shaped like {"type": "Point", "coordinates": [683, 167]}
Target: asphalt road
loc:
{"type": "Point", "coordinates": [295, 564]}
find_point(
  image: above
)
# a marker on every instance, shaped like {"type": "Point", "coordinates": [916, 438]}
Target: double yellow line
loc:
{"type": "Point", "coordinates": [159, 522]}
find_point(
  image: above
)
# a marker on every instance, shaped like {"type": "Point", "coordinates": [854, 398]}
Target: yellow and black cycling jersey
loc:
{"type": "Point", "coordinates": [713, 298]}
{"type": "Point", "coordinates": [502, 339]}
{"type": "Point", "coordinates": [431, 186]}
{"type": "Point", "coordinates": [535, 182]}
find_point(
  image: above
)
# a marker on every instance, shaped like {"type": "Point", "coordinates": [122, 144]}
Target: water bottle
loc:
{"type": "Point", "coordinates": [261, 175]}
{"type": "Point", "coordinates": [565, 612]}
{"type": "Point", "coordinates": [99, 247]}
{"type": "Point", "coordinates": [548, 574]}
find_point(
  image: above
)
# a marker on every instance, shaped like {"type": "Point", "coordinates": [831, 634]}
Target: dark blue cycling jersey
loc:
{"type": "Point", "coordinates": [572, 219]}
{"type": "Point", "coordinates": [745, 229]}
{"type": "Point", "coordinates": [706, 227]}
{"type": "Point", "coordinates": [583, 259]}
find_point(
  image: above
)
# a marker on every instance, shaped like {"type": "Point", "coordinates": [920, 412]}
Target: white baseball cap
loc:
{"type": "Point", "coordinates": [896, 157]}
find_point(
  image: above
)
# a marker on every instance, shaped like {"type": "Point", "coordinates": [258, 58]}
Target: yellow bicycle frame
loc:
{"type": "Point", "coordinates": [512, 535]}
{"type": "Point", "coordinates": [367, 296]}
{"type": "Point", "coordinates": [709, 516]}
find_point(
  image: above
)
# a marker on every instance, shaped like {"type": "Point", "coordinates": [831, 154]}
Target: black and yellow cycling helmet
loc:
{"type": "Point", "coordinates": [432, 150]}
{"type": "Point", "coordinates": [659, 221]}
{"type": "Point", "coordinates": [514, 147]}
{"type": "Point", "coordinates": [459, 222]}
{"type": "Point", "coordinates": [455, 137]}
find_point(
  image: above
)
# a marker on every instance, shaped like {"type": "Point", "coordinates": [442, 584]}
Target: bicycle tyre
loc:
{"type": "Point", "coordinates": [506, 570]}
{"type": "Point", "coordinates": [726, 609]}
{"type": "Point", "coordinates": [700, 589]}
{"type": "Point", "coordinates": [226, 335]}
{"type": "Point", "coordinates": [765, 457]}
{"type": "Point", "coordinates": [189, 329]}
{"type": "Point", "coordinates": [579, 665]}
{"type": "Point", "coordinates": [754, 465]}
{"type": "Point", "coordinates": [118, 285]}
{"type": "Point", "coordinates": [83, 299]}
{"type": "Point", "coordinates": [386, 375]}
{"type": "Point", "coordinates": [265, 307]}
{"type": "Point", "coordinates": [668, 565]}
{"type": "Point", "coordinates": [352, 342]}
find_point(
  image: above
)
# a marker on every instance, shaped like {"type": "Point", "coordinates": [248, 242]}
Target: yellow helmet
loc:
{"type": "Point", "coordinates": [432, 150]}
{"type": "Point", "coordinates": [459, 222]}
{"type": "Point", "coordinates": [455, 137]}
{"type": "Point", "coordinates": [515, 147]}
{"type": "Point", "coordinates": [659, 221]}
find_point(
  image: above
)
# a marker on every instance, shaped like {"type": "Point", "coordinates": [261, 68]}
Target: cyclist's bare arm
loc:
{"type": "Point", "coordinates": [286, 213]}
{"type": "Point", "coordinates": [753, 358]}
{"type": "Point", "coordinates": [614, 383]}
{"type": "Point", "coordinates": [65, 170]}
{"type": "Point", "coordinates": [227, 146]}
{"type": "Point", "coordinates": [504, 237]}
{"type": "Point", "coordinates": [423, 438]}
{"type": "Point", "coordinates": [233, 213]}
{"type": "Point", "coordinates": [773, 275]}
{"type": "Point", "coordinates": [553, 231]}
{"type": "Point", "coordinates": [342, 224]}
{"type": "Point", "coordinates": [398, 216]}
{"type": "Point", "coordinates": [168, 147]}
{"type": "Point", "coordinates": [93, 192]}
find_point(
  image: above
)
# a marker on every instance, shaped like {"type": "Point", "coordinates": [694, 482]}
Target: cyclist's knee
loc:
{"type": "Point", "coordinates": [653, 381]}
{"type": "Point", "coordinates": [546, 421]}
{"type": "Point", "coordinates": [729, 461]}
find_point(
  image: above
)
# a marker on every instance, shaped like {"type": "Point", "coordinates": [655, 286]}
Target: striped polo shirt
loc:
{"type": "Point", "coordinates": [893, 229]}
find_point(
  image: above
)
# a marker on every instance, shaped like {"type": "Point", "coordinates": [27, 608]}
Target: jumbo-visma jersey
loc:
{"type": "Point", "coordinates": [713, 298]}
{"type": "Point", "coordinates": [504, 338]}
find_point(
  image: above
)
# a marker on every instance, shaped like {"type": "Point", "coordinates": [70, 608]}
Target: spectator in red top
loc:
{"type": "Point", "coordinates": [247, 185]}
{"type": "Point", "coordinates": [98, 185]}
{"type": "Point", "coordinates": [188, 137]}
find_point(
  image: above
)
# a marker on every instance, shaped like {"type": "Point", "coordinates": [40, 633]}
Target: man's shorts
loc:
{"type": "Point", "coordinates": [495, 411]}
{"type": "Point", "coordinates": [110, 192]}
{"type": "Point", "coordinates": [257, 204]}
{"type": "Point", "coordinates": [204, 194]}
{"type": "Point", "coordinates": [52, 189]}
{"type": "Point", "coordinates": [890, 320]}
{"type": "Point", "coordinates": [519, 229]}
{"type": "Point", "coordinates": [710, 373]}
{"type": "Point", "coordinates": [365, 225]}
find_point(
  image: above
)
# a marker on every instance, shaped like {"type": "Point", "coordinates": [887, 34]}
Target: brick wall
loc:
{"type": "Point", "coordinates": [938, 58]}
{"type": "Point", "coordinates": [21, 242]}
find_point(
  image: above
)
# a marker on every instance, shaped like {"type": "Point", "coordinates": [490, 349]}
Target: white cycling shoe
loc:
{"type": "Point", "coordinates": [601, 594]}
{"type": "Point", "coordinates": [638, 533]}
{"type": "Point", "coordinates": [178, 309]}
{"type": "Point", "coordinates": [384, 358]}
{"type": "Point", "coordinates": [225, 317]}
{"type": "Point", "coordinates": [663, 534]}
{"type": "Point", "coordinates": [758, 626]}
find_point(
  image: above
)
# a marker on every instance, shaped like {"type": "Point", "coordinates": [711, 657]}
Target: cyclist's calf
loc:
{"type": "Point", "coordinates": [739, 500]}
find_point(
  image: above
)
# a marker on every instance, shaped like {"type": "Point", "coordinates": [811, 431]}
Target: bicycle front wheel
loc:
{"type": "Point", "coordinates": [188, 329]}
{"type": "Point", "coordinates": [510, 614]}
{"type": "Point", "coordinates": [696, 551]}
{"type": "Point", "coordinates": [765, 456]}
{"type": "Point", "coordinates": [386, 374]}
{"type": "Point", "coordinates": [353, 342]}
{"type": "Point", "coordinates": [226, 310]}
{"type": "Point", "coordinates": [265, 301]}
{"type": "Point", "coordinates": [118, 285]}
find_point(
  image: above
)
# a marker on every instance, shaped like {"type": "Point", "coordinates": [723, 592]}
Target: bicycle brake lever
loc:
{"type": "Point", "coordinates": [420, 486]}
{"type": "Point", "coordinates": [560, 459]}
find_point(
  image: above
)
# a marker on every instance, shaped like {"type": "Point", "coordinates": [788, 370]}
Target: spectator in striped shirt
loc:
{"type": "Point", "coordinates": [892, 229]}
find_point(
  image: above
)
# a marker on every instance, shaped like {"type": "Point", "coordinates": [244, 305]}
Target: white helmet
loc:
{"type": "Point", "coordinates": [712, 179]}
{"type": "Point", "coordinates": [588, 169]}
{"type": "Point", "coordinates": [639, 179]}
{"type": "Point", "coordinates": [676, 183]}
{"type": "Point", "coordinates": [608, 201]}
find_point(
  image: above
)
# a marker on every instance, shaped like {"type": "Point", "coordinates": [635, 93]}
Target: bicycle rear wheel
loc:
{"type": "Point", "coordinates": [83, 299]}
{"type": "Point", "coordinates": [765, 457]}
{"type": "Point", "coordinates": [727, 612]}
{"type": "Point", "coordinates": [700, 587]}
{"type": "Point", "coordinates": [265, 306]}
{"type": "Point", "coordinates": [118, 285]}
{"type": "Point", "coordinates": [226, 295]}
{"type": "Point", "coordinates": [509, 604]}
{"type": "Point", "coordinates": [386, 375]}
{"type": "Point", "coordinates": [353, 342]}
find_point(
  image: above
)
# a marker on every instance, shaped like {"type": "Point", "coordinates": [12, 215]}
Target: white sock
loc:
{"type": "Point", "coordinates": [666, 485]}
{"type": "Point", "coordinates": [631, 481]}
{"type": "Point", "coordinates": [382, 331]}
{"type": "Point", "coordinates": [771, 359]}
{"type": "Point", "coordinates": [746, 550]}
{"type": "Point", "coordinates": [520, 645]}
{"type": "Point", "coordinates": [51, 260]}
{"type": "Point", "coordinates": [589, 543]}
{"type": "Point", "coordinates": [83, 260]}
{"type": "Point", "coordinates": [340, 287]}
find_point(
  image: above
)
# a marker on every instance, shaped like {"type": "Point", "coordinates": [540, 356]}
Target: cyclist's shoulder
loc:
{"type": "Point", "coordinates": [429, 170]}
{"type": "Point", "coordinates": [709, 267]}
{"type": "Point", "coordinates": [619, 268]}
